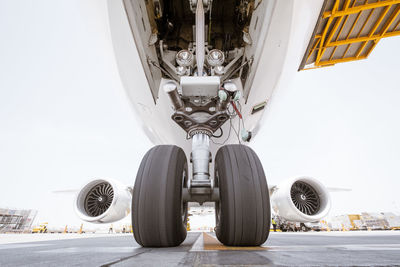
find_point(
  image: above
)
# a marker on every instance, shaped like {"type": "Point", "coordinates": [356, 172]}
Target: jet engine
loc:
{"type": "Point", "coordinates": [302, 199]}
{"type": "Point", "coordinates": [103, 201]}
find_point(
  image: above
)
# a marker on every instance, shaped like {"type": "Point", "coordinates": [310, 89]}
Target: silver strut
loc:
{"type": "Point", "coordinates": [200, 45]}
{"type": "Point", "coordinates": [201, 190]}
{"type": "Point", "coordinates": [201, 161]}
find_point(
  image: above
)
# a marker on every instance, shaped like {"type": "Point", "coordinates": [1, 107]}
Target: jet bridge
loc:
{"type": "Point", "coordinates": [348, 30]}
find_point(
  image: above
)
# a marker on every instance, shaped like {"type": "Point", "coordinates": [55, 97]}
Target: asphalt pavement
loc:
{"type": "Point", "coordinates": [203, 249]}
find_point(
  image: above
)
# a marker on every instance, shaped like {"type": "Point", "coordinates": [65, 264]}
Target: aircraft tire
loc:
{"type": "Point", "coordinates": [243, 215]}
{"type": "Point", "coordinates": [158, 214]}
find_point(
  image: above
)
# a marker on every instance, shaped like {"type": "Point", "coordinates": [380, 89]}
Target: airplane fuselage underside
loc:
{"type": "Point", "coordinates": [200, 74]}
{"type": "Point", "coordinates": [260, 42]}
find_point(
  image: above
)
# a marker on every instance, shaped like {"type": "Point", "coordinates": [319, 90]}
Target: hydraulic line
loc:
{"type": "Point", "coordinates": [236, 109]}
{"type": "Point", "coordinates": [200, 44]}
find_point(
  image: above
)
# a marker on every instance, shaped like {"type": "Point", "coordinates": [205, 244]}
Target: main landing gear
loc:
{"type": "Point", "coordinates": [200, 94]}
{"type": "Point", "coordinates": [162, 191]}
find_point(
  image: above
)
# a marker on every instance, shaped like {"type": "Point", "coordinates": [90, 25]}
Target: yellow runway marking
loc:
{"type": "Point", "coordinates": [211, 243]}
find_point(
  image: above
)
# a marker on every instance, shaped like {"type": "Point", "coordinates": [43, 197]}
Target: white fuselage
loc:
{"type": "Point", "coordinates": [287, 28]}
{"type": "Point", "coordinates": [273, 38]}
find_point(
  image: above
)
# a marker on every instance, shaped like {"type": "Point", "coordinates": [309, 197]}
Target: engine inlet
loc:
{"type": "Point", "coordinates": [305, 198]}
{"type": "Point", "coordinates": [98, 199]}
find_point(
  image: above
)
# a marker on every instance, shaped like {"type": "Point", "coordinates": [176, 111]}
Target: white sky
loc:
{"type": "Point", "coordinates": [65, 119]}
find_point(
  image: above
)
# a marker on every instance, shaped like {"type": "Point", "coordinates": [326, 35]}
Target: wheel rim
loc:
{"type": "Point", "coordinates": [217, 206]}
{"type": "Point", "coordinates": [184, 205]}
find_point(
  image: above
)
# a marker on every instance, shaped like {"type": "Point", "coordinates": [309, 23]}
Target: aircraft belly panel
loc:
{"type": "Point", "coordinates": [278, 56]}
{"type": "Point", "coordinates": [287, 38]}
{"type": "Point", "coordinates": [155, 119]}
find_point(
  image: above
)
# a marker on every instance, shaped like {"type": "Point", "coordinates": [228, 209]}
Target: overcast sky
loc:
{"type": "Point", "coordinates": [65, 118]}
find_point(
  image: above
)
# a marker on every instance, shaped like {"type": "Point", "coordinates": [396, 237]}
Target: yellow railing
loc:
{"type": "Point", "coordinates": [350, 30]}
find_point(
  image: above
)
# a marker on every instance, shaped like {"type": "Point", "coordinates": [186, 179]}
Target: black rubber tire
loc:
{"type": "Point", "coordinates": [157, 206]}
{"type": "Point", "coordinates": [243, 214]}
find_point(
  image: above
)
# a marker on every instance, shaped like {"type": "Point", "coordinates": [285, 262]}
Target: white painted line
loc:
{"type": "Point", "coordinates": [199, 244]}
{"type": "Point", "coordinates": [339, 233]}
{"type": "Point", "coordinates": [16, 246]}
{"type": "Point", "coordinates": [24, 238]}
{"type": "Point", "coordinates": [90, 250]}
{"type": "Point", "coordinates": [355, 247]}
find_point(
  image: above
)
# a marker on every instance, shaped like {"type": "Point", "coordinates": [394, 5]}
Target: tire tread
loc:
{"type": "Point", "coordinates": [245, 207]}
{"type": "Point", "coordinates": [157, 196]}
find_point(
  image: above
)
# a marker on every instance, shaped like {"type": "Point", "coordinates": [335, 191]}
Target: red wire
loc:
{"type": "Point", "coordinates": [237, 111]}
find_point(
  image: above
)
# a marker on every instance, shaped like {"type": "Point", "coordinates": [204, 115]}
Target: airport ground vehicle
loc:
{"type": "Point", "coordinates": [313, 226]}
{"type": "Point", "coordinates": [291, 226]}
{"type": "Point", "coordinates": [200, 74]}
{"type": "Point", "coordinates": [42, 228]}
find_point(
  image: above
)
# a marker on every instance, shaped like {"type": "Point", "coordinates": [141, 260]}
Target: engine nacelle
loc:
{"type": "Point", "coordinates": [103, 201]}
{"type": "Point", "coordinates": [302, 199]}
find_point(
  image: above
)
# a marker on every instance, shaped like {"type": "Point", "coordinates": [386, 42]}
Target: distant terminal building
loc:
{"type": "Point", "coordinates": [346, 222]}
{"type": "Point", "coordinates": [366, 221]}
{"type": "Point", "coordinates": [15, 220]}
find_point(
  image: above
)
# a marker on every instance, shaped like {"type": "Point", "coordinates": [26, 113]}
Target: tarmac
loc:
{"type": "Point", "coordinates": [376, 248]}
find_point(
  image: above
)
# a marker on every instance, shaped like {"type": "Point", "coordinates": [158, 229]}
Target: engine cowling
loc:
{"type": "Point", "coordinates": [103, 201]}
{"type": "Point", "coordinates": [301, 199]}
